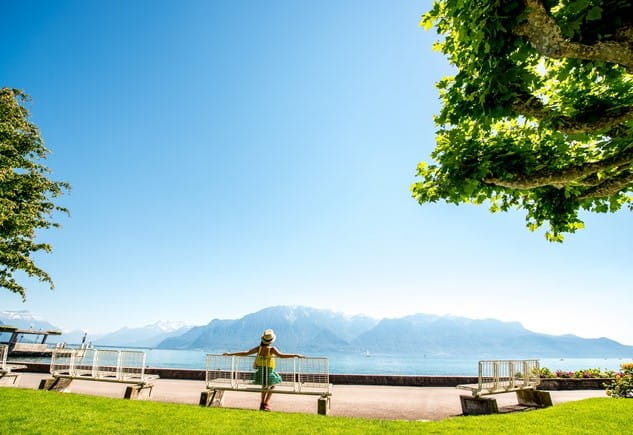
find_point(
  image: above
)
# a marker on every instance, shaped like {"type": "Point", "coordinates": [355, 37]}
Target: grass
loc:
{"type": "Point", "coordinates": [46, 412]}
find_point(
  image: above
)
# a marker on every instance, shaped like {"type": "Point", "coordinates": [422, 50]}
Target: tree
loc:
{"type": "Point", "coordinates": [26, 193]}
{"type": "Point", "coordinates": [539, 115]}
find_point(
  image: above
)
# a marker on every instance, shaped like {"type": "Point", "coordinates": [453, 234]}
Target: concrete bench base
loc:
{"type": "Point", "coordinates": [215, 398]}
{"type": "Point", "coordinates": [62, 384]}
{"type": "Point", "coordinates": [540, 399]}
{"type": "Point", "coordinates": [478, 405]}
{"type": "Point", "coordinates": [472, 405]}
{"type": "Point", "coordinates": [212, 398]}
{"type": "Point", "coordinates": [5, 376]}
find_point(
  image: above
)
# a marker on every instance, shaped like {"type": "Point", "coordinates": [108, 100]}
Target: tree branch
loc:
{"type": "Point", "coordinates": [531, 106]}
{"type": "Point", "coordinates": [546, 37]}
{"type": "Point", "coordinates": [609, 187]}
{"type": "Point", "coordinates": [566, 176]}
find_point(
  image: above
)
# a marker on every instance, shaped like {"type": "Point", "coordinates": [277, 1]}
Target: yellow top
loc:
{"type": "Point", "coordinates": [264, 360]}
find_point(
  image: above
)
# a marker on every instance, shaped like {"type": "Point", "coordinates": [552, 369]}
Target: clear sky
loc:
{"type": "Point", "coordinates": [230, 156]}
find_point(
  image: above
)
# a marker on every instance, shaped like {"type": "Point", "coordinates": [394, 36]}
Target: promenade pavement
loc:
{"type": "Point", "coordinates": [367, 401]}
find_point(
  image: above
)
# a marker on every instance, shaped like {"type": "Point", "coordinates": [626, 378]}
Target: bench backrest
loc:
{"type": "Point", "coordinates": [508, 375]}
{"type": "Point", "coordinates": [107, 364]}
{"type": "Point", "coordinates": [308, 375]}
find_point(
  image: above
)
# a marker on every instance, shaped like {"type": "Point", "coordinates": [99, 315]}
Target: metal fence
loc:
{"type": "Point", "coordinates": [62, 362]}
{"type": "Point", "coordinates": [99, 364]}
{"type": "Point", "coordinates": [500, 376]}
{"type": "Point", "coordinates": [298, 375]}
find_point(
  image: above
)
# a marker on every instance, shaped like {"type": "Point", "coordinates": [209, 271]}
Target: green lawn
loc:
{"type": "Point", "coordinates": [46, 412]}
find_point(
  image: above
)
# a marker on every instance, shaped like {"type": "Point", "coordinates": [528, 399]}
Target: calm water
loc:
{"type": "Point", "coordinates": [402, 364]}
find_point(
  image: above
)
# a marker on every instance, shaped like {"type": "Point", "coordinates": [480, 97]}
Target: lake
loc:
{"type": "Point", "coordinates": [393, 364]}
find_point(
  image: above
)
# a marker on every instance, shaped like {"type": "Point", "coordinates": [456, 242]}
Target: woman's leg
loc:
{"type": "Point", "coordinates": [269, 395]}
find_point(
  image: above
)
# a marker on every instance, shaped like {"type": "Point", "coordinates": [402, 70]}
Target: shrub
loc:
{"type": "Point", "coordinates": [544, 372]}
{"type": "Point", "coordinates": [622, 385]}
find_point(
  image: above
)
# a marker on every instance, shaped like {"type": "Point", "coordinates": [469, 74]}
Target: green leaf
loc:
{"type": "Point", "coordinates": [595, 13]}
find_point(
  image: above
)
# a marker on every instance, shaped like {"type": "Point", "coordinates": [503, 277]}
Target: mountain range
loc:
{"type": "Point", "coordinates": [146, 336]}
{"type": "Point", "coordinates": [24, 320]}
{"type": "Point", "coordinates": [303, 328]}
{"type": "Point", "coordinates": [310, 330]}
{"type": "Point", "coordinates": [315, 331]}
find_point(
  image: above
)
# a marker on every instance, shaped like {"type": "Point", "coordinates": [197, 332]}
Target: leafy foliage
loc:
{"type": "Point", "coordinates": [25, 192]}
{"type": "Point", "coordinates": [544, 372]}
{"type": "Point", "coordinates": [622, 385]}
{"type": "Point", "coordinates": [539, 113]}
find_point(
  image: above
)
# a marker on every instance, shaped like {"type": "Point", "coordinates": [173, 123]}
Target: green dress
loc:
{"type": "Point", "coordinates": [265, 376]}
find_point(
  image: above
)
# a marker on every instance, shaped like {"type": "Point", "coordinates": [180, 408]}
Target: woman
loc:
{"type": "Point", "coordinates": [265, 374]}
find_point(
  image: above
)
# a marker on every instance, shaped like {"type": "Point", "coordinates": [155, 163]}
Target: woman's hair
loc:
{"type": "Point", "coordinates": [261, 343]}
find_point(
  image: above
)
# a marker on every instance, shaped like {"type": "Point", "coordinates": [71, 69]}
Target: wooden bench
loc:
{"type": "Point", "coordinates": [6, 369]}
{"type": "Point", "coordinates": [102, 365]}
{"type": "Point", "coordinates": [504, 376]}
{"type": "Point", "coordinates": [306, 376]}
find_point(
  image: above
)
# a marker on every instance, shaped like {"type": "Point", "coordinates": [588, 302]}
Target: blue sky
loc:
{"type": "Point", "coordinates": [229, 157]}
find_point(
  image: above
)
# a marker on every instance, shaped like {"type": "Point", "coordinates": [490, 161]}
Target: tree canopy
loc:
{"type": "Point", "coordinates": [539, 115]}
{"type": "Point", "coordinates": [26, 193]}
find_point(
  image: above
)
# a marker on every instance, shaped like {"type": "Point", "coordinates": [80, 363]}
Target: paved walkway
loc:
{"type": "Point", "coordinates": [368, 401]}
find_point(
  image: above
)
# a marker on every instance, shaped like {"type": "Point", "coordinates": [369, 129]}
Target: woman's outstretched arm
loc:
{"type": "Point", "coordinates": [275, 352]}
{"type": "Point", "coordinates": [245, 353]}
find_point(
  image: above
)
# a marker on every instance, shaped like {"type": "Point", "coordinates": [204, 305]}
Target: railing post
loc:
{"type": "Point", "coordinates": [296, 376]}
{"type": "Point", "coordinates": [233, 373]}
{"type": "Point", "coordinates": [143, 366]}
{"type": "Point", "coordinates": [481, 376]}
{"type": "Point", "coordinates": [119, 369]}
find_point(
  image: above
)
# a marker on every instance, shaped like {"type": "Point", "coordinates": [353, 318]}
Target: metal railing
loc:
{"type": "Point", "coordinates": [308, 375]}
{"type": "Point", "coordinates": [500, 376]}
{"type": "Point", "coordinates": [100, 364]}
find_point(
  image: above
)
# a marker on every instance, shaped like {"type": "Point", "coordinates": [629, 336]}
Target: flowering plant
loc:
{"type": "Point", "coordinates": [622, 385]}
{"type": "Point", "coordinates": [544, 372]}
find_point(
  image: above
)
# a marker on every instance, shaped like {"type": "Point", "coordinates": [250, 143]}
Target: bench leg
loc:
{"type": "Point", "coordinates": [541, 399]}
{"type": "Point", "coordinates": [134, 391]}
{"type": "Point", "coordinates": [205, 398]}
{"type": "Point", "coordinates": [55, 384]}
{"type": "Point", "coordinates": [218, 399]}
{"type": "Point", "coordinates": [478, 405]}
{"type": "Point", "coordinates": [212, 398]}
{"type": "Point", "coordinates": [323, 405]}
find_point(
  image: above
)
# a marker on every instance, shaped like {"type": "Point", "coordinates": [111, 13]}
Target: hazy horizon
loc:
{"type": "Point", "coordinates": [182, 324]}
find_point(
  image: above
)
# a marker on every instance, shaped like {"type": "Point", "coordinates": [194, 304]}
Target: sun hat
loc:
{"type": "Point", "coordinates": [268, 336]}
